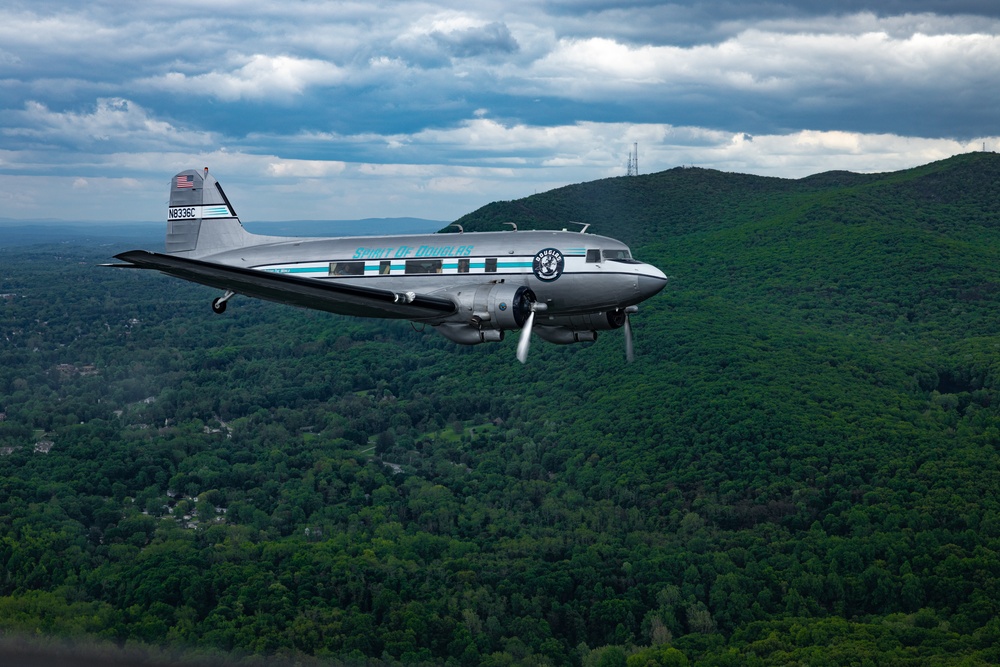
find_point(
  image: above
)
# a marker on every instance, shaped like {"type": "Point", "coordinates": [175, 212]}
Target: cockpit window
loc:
{"type": "Point", "coordinates": [593, 256]}
{"type": "Point", "coordinates": [617, 254]}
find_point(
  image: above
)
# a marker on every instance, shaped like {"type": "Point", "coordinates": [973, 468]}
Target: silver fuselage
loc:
{"type": "Point", "coordinates": [597, 272]}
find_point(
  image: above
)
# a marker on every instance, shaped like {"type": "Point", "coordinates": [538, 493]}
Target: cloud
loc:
{"type": "Point", "coordinates": [479, 40]}
{"type": "Point", "coordinates": [258, 77]}
{"type": "Point", "coordinates": [772, 62]}
{"type": "Point", "coordinates": [305, 168]}
{"type": "Point", "coordinates": [113, 123]}
{"type": "Point", "coordinates": [767, 80]}
{"type": "Point", "coordinates": [432, 41]}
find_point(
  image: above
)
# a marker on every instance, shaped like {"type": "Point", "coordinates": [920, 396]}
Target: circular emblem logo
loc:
{"type": "Point", "coordinates": [502, 306]}
{"type": "Point", "coordinates": [548, 264]}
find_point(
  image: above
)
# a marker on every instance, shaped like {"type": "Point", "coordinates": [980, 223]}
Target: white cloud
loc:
{"type": "Point", "coordinates": [60, 32]}
{"type": "Point", "coordinates": [259, 77]}
{"type": "Point", "coordinates": [398, 170]}
{"type": "Point", "coordinates": [305, 168]}
{"type": "Point", "coordinates": [113, 121]}
{"type": "Point", "coordinates": [770, 62]}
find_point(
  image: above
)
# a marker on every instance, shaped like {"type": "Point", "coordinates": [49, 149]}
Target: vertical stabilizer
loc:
{"type": "Point", "coordinates": [200, 219]}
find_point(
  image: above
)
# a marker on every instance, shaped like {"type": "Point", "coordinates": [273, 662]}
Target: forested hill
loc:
{"type": "Point", "coordinates": [801, 467]}
{"type": "Point", "coordinates": [685, 200]}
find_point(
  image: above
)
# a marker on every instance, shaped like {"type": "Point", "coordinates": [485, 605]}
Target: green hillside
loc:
{"type": "Point", "coordinates": [801, 466]}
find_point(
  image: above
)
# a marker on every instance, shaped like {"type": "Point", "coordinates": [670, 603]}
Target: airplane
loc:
{"type": "Point", "coordinates": [565, 286]}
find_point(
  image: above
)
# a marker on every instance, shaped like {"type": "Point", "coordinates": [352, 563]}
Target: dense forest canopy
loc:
{"type": "Point", "coordinates": [800, 467]}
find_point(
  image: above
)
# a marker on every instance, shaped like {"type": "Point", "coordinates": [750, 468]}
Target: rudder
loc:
{"type": "Point", "coordinates": [200, 219]}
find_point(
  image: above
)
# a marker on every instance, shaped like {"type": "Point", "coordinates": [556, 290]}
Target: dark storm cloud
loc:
{"type": "Point", "coordinates": [693, 22]}
{"type": "Point", "coordinates": [476, 41]}
{"type": "Point", "coordinates": [752, 10]}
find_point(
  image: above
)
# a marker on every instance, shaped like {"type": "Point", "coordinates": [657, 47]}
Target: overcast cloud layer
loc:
{"type": "Point", "coordinates": [338, 110]}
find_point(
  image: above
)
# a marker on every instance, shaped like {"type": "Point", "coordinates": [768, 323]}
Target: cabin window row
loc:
{"type": "Point", "coordinates": [436, 266]}
{"type": "Point", "coordinates": [412, 266]}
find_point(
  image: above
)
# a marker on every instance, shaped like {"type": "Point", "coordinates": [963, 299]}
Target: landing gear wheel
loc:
{"type": "Point", "coordinates": [218, 305]}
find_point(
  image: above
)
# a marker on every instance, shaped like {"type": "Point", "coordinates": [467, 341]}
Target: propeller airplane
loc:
{"type": "Point", "coordinates": [471, 287]}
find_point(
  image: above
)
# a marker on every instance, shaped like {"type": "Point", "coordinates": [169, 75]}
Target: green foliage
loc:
{"type": "Point", "coordinates": [800, 467]}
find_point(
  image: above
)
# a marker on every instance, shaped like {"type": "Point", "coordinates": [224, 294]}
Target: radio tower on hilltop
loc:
{"type": "Point", "coordinates": [633, 160]}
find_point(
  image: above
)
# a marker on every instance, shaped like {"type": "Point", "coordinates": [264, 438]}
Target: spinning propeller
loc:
{"type": "Point", "coordinates": [524, 342]}
{"type": "Point", "coordinates": [629, 347]}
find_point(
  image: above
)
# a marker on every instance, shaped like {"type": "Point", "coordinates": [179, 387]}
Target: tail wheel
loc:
{"type": "Point", "coordinates": [219, 304]}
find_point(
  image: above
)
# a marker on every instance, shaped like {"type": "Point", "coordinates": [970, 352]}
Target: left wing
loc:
{"type": "Point", "coordinates": [333, 297]}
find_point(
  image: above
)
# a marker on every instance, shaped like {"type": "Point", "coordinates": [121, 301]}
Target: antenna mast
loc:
{"type": "Point", "coordinates": [633, 160]}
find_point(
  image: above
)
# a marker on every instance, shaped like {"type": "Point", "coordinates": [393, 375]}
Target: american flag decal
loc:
{"type": "Point", "coordinates": [185, 181]}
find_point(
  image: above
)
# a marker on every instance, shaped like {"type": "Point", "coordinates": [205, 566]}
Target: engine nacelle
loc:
{"type": "Point", "coordinates": [564, 336]}
{"type": "Point", "coordinates": [612, 319]}
{"type": "Point", "coordinates": [467, 334]}
{"type": "Point", "coordinates": [488, 310]}
{"type": "Point", "coordinates": [567, 329]}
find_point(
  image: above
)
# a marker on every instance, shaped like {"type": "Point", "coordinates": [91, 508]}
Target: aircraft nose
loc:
{"type": "Point", "coordinates": [651, 281]}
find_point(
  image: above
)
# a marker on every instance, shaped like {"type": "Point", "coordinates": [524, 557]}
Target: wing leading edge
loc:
{"type": "Point", "coordinates": [304, 292]}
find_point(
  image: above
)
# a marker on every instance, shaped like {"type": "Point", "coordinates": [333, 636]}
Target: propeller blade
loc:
{"type": "Point", "coordinates": [525, 341]}
{"type": "Point", "coordinates": [629, 347]}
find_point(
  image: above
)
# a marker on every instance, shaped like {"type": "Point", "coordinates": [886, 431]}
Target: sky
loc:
{"type": "Point", "coordinates": [429, 108]}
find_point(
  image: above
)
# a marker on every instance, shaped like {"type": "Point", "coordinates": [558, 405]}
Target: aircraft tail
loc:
{"type": "Point", "coordinates": [200, 219]}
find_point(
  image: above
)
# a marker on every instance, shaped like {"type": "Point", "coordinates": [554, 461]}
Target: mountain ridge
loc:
{"type": "Point", "coordinates": [710, 193]}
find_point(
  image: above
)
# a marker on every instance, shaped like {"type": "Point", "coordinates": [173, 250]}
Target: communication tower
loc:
{"type": "Point", "coordinates": [633, 160]}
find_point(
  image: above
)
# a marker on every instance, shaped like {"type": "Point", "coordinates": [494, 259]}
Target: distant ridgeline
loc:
{"type": "Point", "coordinates": [685, 200]}
{"type": "Point", "coordinates": [801, 466]}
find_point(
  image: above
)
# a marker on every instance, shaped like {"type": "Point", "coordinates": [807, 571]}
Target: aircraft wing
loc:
{"type": "Point", "coordinates": [334, 297]}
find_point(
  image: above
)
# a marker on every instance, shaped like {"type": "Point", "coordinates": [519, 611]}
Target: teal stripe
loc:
{"type": "Point", "coordinates": [318, 269]}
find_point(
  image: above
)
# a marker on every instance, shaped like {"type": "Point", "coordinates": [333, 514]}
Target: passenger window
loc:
{"type": "Point", "coordinates": [463, 265]}
{"type": "Point", "coordinates": [593, 256]}
{"type": "Point", "coordinates": [347, 268]}
{"type": "Point", "coordinates": [423, 266]}
{"type": "Point", "coordinates": [384, 268]}
{"type": "Point", "coordinates": [491, 265]}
